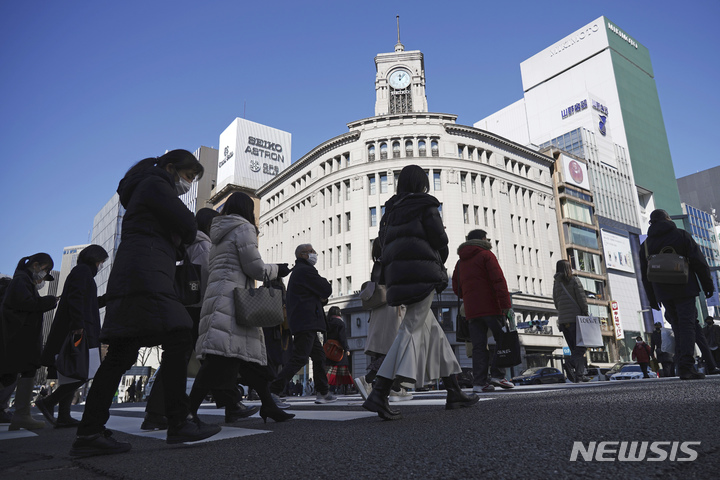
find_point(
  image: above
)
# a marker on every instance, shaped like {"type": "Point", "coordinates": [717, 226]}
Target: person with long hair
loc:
{"type": "Point", "coordinates": [21, 333]}
{"type": "Point", "coordinates": [78, 312]}
{"type": "Point", "coordinates": [225, 347]}
{"type": "Point", "coordinates": [570, 301]}
{"type": "Point", "coordinates": [414, 250]}
{"type": "Point", "coordinates": [338, 373]}
{"type": "Point", "coordinates": [142, 306]}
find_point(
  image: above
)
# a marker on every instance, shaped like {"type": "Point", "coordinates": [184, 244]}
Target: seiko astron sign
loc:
{"type": "Point", "coordinates": [251, 154]}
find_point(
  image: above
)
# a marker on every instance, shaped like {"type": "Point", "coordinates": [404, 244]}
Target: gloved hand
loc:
{"type": "Point", "coordinates": [283, 270]}
{"type": "Point", "coordinates": [709, 294]}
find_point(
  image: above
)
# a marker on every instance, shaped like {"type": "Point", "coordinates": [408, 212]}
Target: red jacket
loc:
{"type": "Point", "coordinates": [641, 352]}
{"type": "Point", "coordinates": [479, 280]}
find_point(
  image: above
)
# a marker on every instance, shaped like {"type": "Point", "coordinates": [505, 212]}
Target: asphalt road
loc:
{"type": "Point", "coordinates": [527, 432]}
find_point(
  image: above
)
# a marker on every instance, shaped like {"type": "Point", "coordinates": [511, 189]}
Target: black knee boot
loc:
{"type": "Point", "coordinates": [456, 398]}
{"type": "Point", "coordinates": [378, 400]}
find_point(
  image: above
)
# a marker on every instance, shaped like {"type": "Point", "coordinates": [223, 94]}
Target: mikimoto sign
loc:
{"type": "Point", "coordinates": [251, 154]}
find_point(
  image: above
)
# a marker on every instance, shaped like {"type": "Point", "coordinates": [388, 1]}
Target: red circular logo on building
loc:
{"type": "Point", "coordinates": [576, 171]}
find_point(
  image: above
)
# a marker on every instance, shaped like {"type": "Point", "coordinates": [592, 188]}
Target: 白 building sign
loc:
{"type": "Point", "coordinates": [575, 172]}
{"type": "Point", "coordinates": [618, 255]}
{"type": "Point", "coordinates": [619, 333]}
{"type": "Point", "coordinates": [252, 154]}
{"type": "Point", "coordinates": [573, 109]}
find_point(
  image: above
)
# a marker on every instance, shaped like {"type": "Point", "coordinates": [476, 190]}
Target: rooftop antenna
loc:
{"type": "Point", "coordinates": [399, 47]}
{"type": "Point", "coordinates": [244, 107]}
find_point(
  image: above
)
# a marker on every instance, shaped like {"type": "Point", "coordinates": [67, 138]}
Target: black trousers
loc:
{"type": "Point", "coordinates": [306, 345]}
{"type": "Point", "coordinates": [480, 356]}
{"type": "Point", "coordinates": [681, 314]}
{"type": "Point", "coordinates": [121, 355]}
{"type": "Point", "coordinates": [577, 354]}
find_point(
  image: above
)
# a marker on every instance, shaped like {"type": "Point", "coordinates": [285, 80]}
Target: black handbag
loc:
{"type": "Point", "coordinates": [187, 282]}
{"type": "Point", "coordinates": [74, 357]}
{"type": "Point", "coordinates": [508, 349]}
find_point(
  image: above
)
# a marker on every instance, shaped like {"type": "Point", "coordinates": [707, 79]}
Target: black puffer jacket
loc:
{"type": "Point", "coordinates": [306, 292]}
{"type": "Point", "coordinates": [665, 234]}
{"type": "Point", "coordinates": [415, 247]}
{"type": "Point", "coordinates": [78, 308]}
{"type": "Point", "coordinates": [22, 322]}
{"type": "Point", "coordinates": [141, 298]}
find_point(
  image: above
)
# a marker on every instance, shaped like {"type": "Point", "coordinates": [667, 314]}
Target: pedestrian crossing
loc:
{"type": "Point", "coordinates": [310, 411]}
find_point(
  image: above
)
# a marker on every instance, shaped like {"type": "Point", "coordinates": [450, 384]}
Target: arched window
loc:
{"type": "Point", "coordinates": [371, 153]}
{"type": "Point", "coordinates": [434, 148]}
{"type": "Point", "coordinates": [408, 148]}
{"type": "Point", "coordinates": [396, 149]}
{"type": "Point", "coordinates": [383, 151]}
{"type": "Point", "coordinates": [421, 148]}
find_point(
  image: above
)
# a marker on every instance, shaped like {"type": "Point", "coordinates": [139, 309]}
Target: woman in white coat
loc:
{"type": "Point", "coordinates": [226, 347]}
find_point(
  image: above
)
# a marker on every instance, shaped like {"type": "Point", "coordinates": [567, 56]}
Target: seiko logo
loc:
{"type": "Point", "coordinates": [254, 166]}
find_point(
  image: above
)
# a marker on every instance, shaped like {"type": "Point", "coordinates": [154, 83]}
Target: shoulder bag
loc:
{"type": "Point", "coordinates": [258, 307]}
{"type": "Point", "coordinates": [74, 357]}
{"type": "Point", "coordinates": [667, 266]}
{"type": "Point", "coordinates": [373, 296]}
{"type": "Point", "coordinates": [333, 350]}
{"type": "Point", "coordinates": [587, 331]}
{"type": "Point", "coordinates": [507, 348]}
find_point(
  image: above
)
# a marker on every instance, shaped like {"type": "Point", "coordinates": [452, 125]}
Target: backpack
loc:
{"type": "Point", "coordinates": [667, 266]}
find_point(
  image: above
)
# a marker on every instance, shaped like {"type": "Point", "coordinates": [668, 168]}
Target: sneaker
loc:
{"type": "Point", "coordinates": [484, 388]}
{"type": "Point", "coordinates": [154, 421]}
{"type": "Point", "coordinates": [68, 422]}
{"type": "Point", "coordinates": [279, 402]}
{"type": "Point", "coordinates": [502, 383]}
{"type": "Point", "coordinates": [691, 375]}
{"type": "Point", "coordinates": [363, 387]}
{"type": "Point", "coordinates": [401, 396]}
{"type": "Point", "coordinates": [191, 430]}
{"type": "Point", "coordinates": [99, 444]}
{"type": "Point", "coordinates": [327, 398]}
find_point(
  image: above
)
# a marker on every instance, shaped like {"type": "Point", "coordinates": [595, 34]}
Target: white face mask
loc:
{"type": "Point", "coordinates": [312, 258]}
{"type": "Point", "coordinates": [182, 186]}
{"type": "Point", "coordinates": [40, 285]}
{"type": "Point", "coordinates": [37, 276]}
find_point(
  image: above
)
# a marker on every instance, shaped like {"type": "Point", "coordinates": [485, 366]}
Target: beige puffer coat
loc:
{"type": "Point", "coordinates": [234, 257]}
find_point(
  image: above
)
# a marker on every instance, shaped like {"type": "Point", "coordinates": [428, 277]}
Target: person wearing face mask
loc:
{"type": "Point", "coordinates": [21, 333]}
{"type": "Point", "coordinates": [142, 307]}
{"type": "Point", "coordinates": [307, 292]}
{"type": "Point", "coordinates": [642, 353]}
{"type": "Point", "coordinates": [78, 312]}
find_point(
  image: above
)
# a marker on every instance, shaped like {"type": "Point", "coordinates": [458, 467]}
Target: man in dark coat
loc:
{"type": "Point", "coordinates": [307, 292]}
{"type": "Point", "coordinates": [678, 299]}
{"type": "Point", "coordinates": [664, 358]}
{"type": "Point", "coordinates": [642, 353]}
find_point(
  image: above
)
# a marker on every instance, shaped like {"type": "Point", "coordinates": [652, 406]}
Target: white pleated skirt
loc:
{"type": "Point", "coordinates": [420, 352]}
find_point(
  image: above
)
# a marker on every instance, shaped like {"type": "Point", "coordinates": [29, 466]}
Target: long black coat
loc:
{"type": "Point", "coordinates": [665, 234]}
{"type": "Point", "coordinates": [141, 298]}
{"type": "Point", "coordinates": [78, 308]}
{"type": "Point", "coordinates": [22, 322]}
{"type": "Point", "coordinates": [415, 248]}
{"type": "Point", "coordinates": [306, 291]}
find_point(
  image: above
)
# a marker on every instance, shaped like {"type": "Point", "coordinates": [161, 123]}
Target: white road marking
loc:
{"type": "Point", "coordinates": [6, 434]}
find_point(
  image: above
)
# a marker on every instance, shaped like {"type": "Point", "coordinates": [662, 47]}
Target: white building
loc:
{"type": "Point", "coordinates": [593, 94]}
{"type": "Point", "coordinates": [333, 198]}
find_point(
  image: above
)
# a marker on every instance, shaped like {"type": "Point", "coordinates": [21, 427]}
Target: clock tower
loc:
{"type": "Point", "coordinates": [400, 82]}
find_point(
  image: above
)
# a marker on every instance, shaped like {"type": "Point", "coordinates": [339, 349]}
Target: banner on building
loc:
{"type": "Point", "coordinates": [619, 333]}
{"type": "Point", "coordinates": [618, 254]}
{"type": "Point", "coordinates": [251, 154]}
{"type": "Point", "coordinates": [575, 172]}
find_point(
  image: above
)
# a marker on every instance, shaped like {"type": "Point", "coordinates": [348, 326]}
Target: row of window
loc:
{"type": "Point", "coordinates": [409, 149]}
{"type": "Point", "coordinates": [338, 224]}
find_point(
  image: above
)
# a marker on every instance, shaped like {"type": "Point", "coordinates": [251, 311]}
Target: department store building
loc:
{"type": "Point", "coordinates": [333, 197]}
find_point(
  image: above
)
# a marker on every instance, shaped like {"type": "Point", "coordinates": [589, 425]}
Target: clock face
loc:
{"type": "Point", "coordinates": [399, 79]}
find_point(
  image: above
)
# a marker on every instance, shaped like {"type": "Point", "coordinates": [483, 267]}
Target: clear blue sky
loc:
{"type": "Point", "coordinates": [90, 87]}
